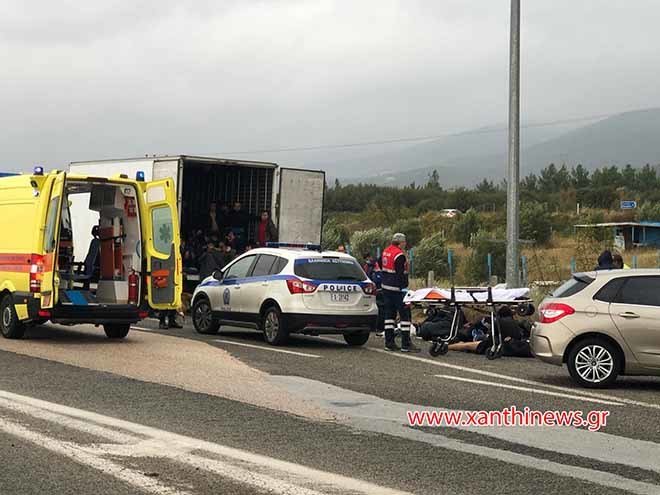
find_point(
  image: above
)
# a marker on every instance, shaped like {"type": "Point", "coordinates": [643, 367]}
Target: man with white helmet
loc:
{"type": "Point", "coordinates": [395, 283]}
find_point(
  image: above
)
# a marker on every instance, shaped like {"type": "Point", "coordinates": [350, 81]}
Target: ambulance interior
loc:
{"type": "Point", "coordinates": [99, 248]}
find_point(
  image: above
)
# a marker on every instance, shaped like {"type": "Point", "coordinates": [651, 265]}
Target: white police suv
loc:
{"type": "Point", "coordinates": [289, 288]}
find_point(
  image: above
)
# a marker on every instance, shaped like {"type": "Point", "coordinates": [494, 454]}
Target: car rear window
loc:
{"type": "Point", "coordinates": [640, 290]}
{"type": "Point", "coordinates": [574, 285]}
{"type": "Point", "coordinates": [610, 290]}
{"type": "Point", "coordinates": [329, 269]}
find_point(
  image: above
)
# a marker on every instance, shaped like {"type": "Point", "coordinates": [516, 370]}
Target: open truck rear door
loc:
{"type": "Point", "coordinates": [300, 205]}
{"type": "Point", "coordinates": [160, 228]}
{"type": "Point", "coordinates": [43, 267]}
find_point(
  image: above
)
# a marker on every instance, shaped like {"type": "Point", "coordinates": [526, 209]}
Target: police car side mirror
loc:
{"type": "Point", "coordinates": [218, 275]}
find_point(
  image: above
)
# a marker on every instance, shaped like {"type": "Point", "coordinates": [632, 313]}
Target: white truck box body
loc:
{"type": "Point", "coordinates": [294, 197]}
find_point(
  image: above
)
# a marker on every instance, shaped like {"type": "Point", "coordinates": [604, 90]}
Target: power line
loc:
{"type": "Point", "coordinates": [411, 139]}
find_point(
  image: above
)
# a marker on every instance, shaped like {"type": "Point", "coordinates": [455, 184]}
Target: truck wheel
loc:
{"type": "Point", "coordinates": [10, 326]}
{"type": "Point", "coordinates": [594, 363]}
{"type": "Point", "coordinates": [356, 339]}
{"type": "Point", "coordinates": [274, 332]}
{"type": "Point", "coordinates": [202, 317]}
{"type": "Point", "coordinates": [117, 330]}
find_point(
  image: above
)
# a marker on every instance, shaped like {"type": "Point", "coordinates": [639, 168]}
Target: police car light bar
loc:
{"type": "Point", "coordinates": [308, 246]}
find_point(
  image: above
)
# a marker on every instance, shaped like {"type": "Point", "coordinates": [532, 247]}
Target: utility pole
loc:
{"type": "Point", "coordinates": [513, 168]}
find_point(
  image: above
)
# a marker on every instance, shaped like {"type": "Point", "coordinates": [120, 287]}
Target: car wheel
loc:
{"type": "Point", "coordinates": [594, 363]}
{"type": "Point", "coordinates": [117, 330]}
{"type": "Point", "coordinates": [10, 326]}
{"type": "Point", "coordinates": [356, 339]}
{"type": "Point", "coordinates": [203, 319]}
{"type": "Point", "coordinates": [274, 331]}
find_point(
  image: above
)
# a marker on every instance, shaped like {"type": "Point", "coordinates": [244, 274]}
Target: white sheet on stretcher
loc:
{"type": "Point", "coordinates": [500, 295]}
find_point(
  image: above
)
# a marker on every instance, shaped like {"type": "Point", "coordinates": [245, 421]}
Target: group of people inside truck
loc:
{"type": "Point", "coordinates": [211, 241]}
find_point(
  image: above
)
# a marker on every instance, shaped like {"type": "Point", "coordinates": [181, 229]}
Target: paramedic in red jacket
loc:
{"type": "Point", "coordinates": [394, 269]}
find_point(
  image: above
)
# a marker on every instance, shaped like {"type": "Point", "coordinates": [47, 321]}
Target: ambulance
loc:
{"type": "Point", "coordinates": [132, 260]}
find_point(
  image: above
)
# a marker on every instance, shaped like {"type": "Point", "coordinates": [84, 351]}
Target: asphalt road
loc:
{"type": "Point", "coordinates": [174, 412]}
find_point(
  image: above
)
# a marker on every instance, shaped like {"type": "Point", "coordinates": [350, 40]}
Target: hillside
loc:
{"type": "Point", "coordinates": [630, 137]}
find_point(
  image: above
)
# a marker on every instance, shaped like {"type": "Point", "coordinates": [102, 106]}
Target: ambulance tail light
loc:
{"type": "Point", "coordinates": [297, 286]}
{"type": "Point", "coordinates": [369, 289]}
{"type": "Point", "coordinates": [36, 272]}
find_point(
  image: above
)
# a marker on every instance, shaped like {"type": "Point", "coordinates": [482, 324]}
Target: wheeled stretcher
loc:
{"type": "Point", "coordinates": [485, 299]}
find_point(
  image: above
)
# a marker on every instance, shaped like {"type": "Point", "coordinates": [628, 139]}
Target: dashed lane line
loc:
{"type": "Point", "coordinates": [264, 348]}
{"type": "Point", "coordinates": [532, 390]}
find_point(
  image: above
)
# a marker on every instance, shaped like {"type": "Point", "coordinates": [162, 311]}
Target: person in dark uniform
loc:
{"type": "Point", "coordinates": [394, 269]}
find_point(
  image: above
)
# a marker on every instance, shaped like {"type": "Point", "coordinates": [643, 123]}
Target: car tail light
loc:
{"type": "Point", "coordinates": [552, 312]}
{"type": "Point", "coordinates": [143, 314]}
{"type": "Point", "coordinates": [297, 286]}
{"type": "Point", "coordinates": [36, 272]}
{"type": "Point", "coordinates": [369, 289]}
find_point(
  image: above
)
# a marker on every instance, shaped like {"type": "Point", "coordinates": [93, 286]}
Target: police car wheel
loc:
{"type": "Point", "coordinates": [356, 339]}
{"type": "Point", "coordinates": [10, 326]}
{"type": "Point", "coordinates": [274, 332]}
{"type": "Point", "coordinates": [117, 331]}
{"type": "Point", "coordinates": [202, 316]}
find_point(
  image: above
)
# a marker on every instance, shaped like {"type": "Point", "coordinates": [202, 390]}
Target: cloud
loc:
{"type": "Point", "coordinates": [83, 80]}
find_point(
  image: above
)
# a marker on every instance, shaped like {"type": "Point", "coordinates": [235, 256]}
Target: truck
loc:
{"type": "Point", "coordinates": [294, 197]}
{"type": "Point", "coordinates": [130, 262]}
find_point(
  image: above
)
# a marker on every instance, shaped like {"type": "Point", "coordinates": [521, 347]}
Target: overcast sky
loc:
{"type": "Point", "coordinates": [100, 79]}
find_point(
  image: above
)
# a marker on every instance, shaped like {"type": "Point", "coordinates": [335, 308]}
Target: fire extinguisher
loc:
{"type": "Point", "coordinates": [133, 280]}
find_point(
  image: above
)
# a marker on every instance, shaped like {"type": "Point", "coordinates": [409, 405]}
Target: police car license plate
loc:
{"type": "Point", "coordinates": [339, 297]}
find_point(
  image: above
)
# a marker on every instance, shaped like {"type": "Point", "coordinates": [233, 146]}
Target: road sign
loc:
{"type": "Point", "coordinates": [628, 205]}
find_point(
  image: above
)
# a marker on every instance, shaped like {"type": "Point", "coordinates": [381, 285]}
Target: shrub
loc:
{"type": "Point", "coordinates": [369, 241]}
{"type": "Point", "coordinates": [431, 254]}
{"type": "Point", "coordinates": [333, 234]}
{"type": "Point", "coordinates": [535, 223]}
{"type": "Point", "coordinates": [476, 267]}
{"type": "Point", "coordinates": [467, 225]}
{"type": "Point", "coordinates": [411, 227]}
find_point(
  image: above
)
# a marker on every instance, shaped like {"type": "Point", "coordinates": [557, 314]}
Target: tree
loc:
{"type": "Point", "coordinates": [434, 180]}
{"type": "Point", "coordinates": [486, 186]}
{"type": "Point", "coordinates": [548, 179]}
{"type": "Point", "coordinates": [580, 177]}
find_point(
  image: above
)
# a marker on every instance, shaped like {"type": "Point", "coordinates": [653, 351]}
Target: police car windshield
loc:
{"type": "Point", "coordinates": [329, 269]}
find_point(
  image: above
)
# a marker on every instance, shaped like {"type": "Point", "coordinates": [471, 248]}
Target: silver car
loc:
{"type": "Point", "coordinates": [602, 324]}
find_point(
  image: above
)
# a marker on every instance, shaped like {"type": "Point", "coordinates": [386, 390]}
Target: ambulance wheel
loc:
{"type": "Point", "coordinates": [10, 326]}
{"type": "Point", "coordinates": [117, 330]}
{"type": "Point", "coordinates": [493, 354]}
{"type": "Point", "coordinates": [271, 324]}
{"type": "Point", "coordinates": [356, 339]}
{"type": "Point", "coordinates": [438, 349]}
{"type": "Point", "coordinates": [202, 317]}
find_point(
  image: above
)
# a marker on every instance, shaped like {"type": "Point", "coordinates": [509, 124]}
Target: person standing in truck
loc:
{"type": "Point", "coordinates": [394, 283]}
{"type": "Point", "coordinates": [238, 222]}
{"type": "Point", "coordinates": [266, 231]}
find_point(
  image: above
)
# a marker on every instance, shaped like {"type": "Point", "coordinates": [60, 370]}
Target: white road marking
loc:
{"type": "Point", "coordinates": [532, 390]}
{"type": "Point", "coordinates": [145, 329]}
{"type": "Point", "coordinates": [260, 472]}
{"type": "Point", "coordinates": [491, 374]}
{"type": "Point", "coordinates": [264, 348]}
{"type": "Point", "coordinates": [78, 454]}
{"type": "Point", "coordinates": [370, 413]}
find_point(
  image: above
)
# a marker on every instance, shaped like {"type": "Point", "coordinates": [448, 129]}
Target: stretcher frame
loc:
{"type": "Point", "coordinates": [440, 345]}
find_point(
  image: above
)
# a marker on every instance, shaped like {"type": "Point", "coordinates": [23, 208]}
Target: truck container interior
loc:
{"type": "Point", "coordinates": [113, 249]}
{"type": "Point", "coordinates": [204, 183]}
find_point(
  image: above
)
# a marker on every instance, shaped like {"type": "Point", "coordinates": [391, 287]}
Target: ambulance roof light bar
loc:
{"type": "Point", "coordinates": [295, 245]}
{"type": "Point", "coordinates": [38, 170]}
{"type": "Point", "coordinates": [139, 176]}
